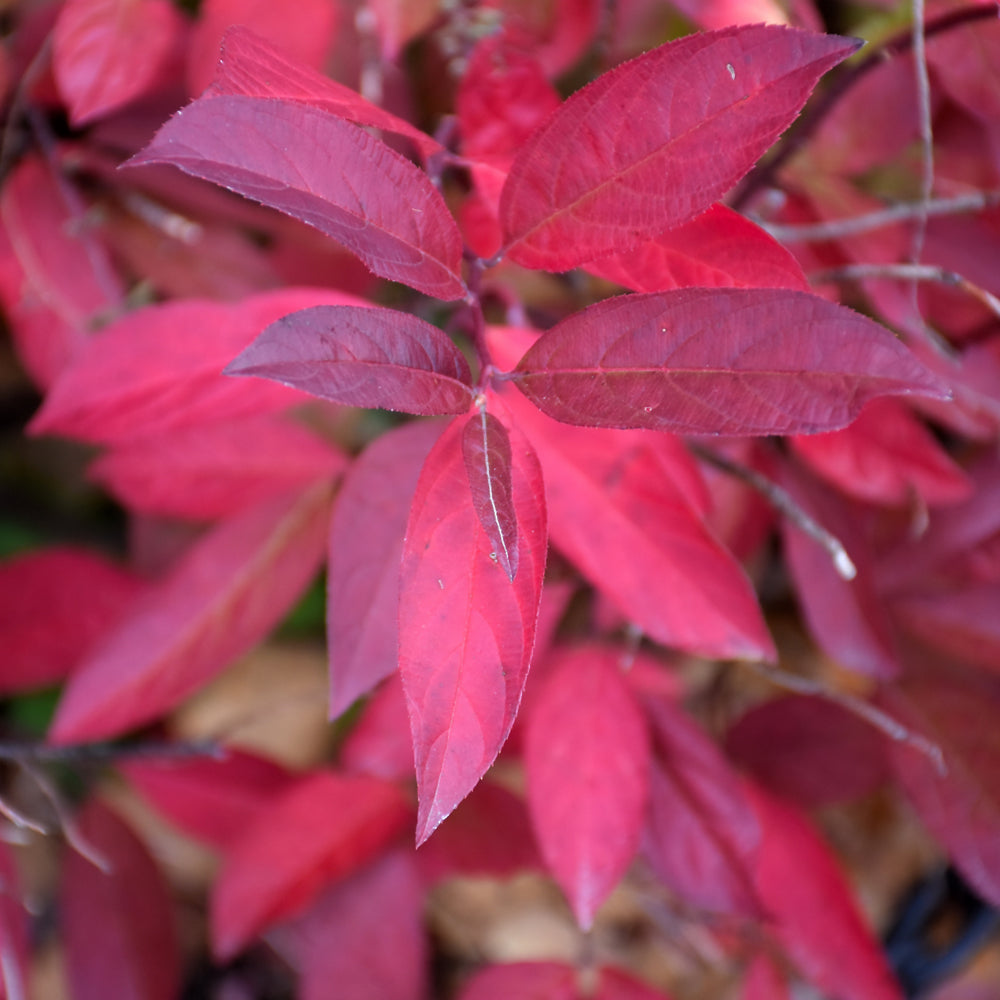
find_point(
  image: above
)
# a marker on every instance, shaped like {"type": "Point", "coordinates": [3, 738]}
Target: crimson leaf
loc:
{"type": "Point", "coordinates": [738, 361]}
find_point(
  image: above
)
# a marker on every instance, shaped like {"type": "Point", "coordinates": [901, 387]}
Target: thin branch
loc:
{"type": "Point", "coordinates": [782, 501]}
{"type": "Point", "coordinates": [764, 173]}
{"type": "Point", "coordinates": [93, 753]}
{"type": "Point", "coordinates": [864, 710]}
{"type": "Point", "coordinates": [836, 229]}
{"type": "Point", "coordinates": [923, 81]}
{"type": "Point", "coordinates": [908, 272]}
{"type": "Point", "coordinates": [22, 821]}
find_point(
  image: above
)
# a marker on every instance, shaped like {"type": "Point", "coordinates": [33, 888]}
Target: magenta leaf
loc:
{"type": "Point", "coordinates": [362, 590]}
{"type": "Point", "coordinates": [252, 67]}
{"type": "Point", "coordinates": [586, 719]}
{"type": "Point", "coordinates": [466, 631]}
{"type": "Point", "coordinates": [369, 198]}
{"type": "Point", "coordinates": [593, 180]}
{"type": "Point", "coordinates": [486, 448]}
{"type": "Point", "coordinates": [362, 356]}
{"type": "Point", "coordinates": [118, 925]}
{"type": "Point", "coordinates": [224, 595]}
{"type": "Point", "coordinates": [702, 834]}
{"type": "Point", "coordinates": [737, 361]}
{"type": "Point", "coordinates": [325, 827]}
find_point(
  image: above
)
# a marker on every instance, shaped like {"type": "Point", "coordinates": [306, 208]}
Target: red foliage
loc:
{"type": "Point", "coordinates": [571, 412]}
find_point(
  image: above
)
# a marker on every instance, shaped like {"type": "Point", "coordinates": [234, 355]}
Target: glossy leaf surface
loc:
{"type": "Point", "coordinates": [324, 828]}
{"type": "Point", "coordinates": [372, 200]}
{"type": "Point", "coordinates": [588, 183]}
{"type": "Point", "coordinates": [586, 721]}
{"type": "Point", "coordinates": [225, 594]}
{"type": "Point", "coordinates": [362, 356]}
{"type": "Point", "coordinates": [466, 632]}
{"type": "Point", "coordinates": [719, 361]}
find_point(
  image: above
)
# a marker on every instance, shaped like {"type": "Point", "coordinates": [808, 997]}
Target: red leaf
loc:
{"type": "Point", "coordinates": [362, 590]}
{"type": "Point", "coordinates": [54, 605]}
{"type": "Point", "coordinates": [213, 470]}
{"type": "Point", "coordinates": [118, 927]}
{"type": "Point", "coordinates": [962, 623]}
{"type": "Point", "coordinates": [213, 800]}
{"type": "Point", "coordinates": [173, 355]}
{"type": "Point", "coordinates": [809, 750]}
{"type": "Point", "coordinates": [106, 53]}
{"type": "Point", "coordinates": [738, 361]}
{"type": "Point", "coordinates": [250, 66]}
{"type": "Point", "coordinates": [488, 834]}
{"type": "Point", "coordinates": [847, 617]}
{"type": "Point", "coordinates": [486, 449]}
{"type": "Point", "coordinates": [227, 592]}
{"type": "Point", "coordinates": [718, 249]}
{"type": "Point", "coordinates": [591, 181]}
{"type": "Point", "coordinates": [362, 356]}
{"type": "Point", "coordinates": [380, 744]}
{"type": "Point", "coordinates": [585, 721]}
{"type": "Point", "coordinates": [702, 835]}
{"type": "Point", "coordinates": [370, 199]}
{"type": "Point", "coordinates": [14, 931]}
{"type": "Point", "coordinates": [302, 41]}
{"type": "Point", "coordinates": [466, 631]}
{"type": "Point", "coordinates": [956, 709]}
{"type": "Point", "coordinates": [620, 513]}
{"type": "Point", "coordinates": [365, 937]}
{"type": "Point", "coordinates": [324, 828]}
{"type": "Point", "coordinates": [885, 457]}
{"type": "Point", "coordinates": [763, 981]}
{"type": "Point", "coordinates": [815, 918]}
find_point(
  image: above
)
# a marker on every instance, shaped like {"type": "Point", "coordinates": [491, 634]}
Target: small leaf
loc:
{"type": "Point", "coordinates": [325, 827]}
{"type": "Point", "coordinates": [636, 152]}
{"type": "Point", "coordinates": [362, 590]}
{"type": "Point", "coordinates": [362, 356]}
{"type": "Point", "coordinates": [586, 719]}
{"type": "Point", "coordinates": [117, 926]}
{"type": "Point", "coordinates": [466, 632]}
{"type": "Point", "coordinates": [486, 449]}
{"type": "Point", "coordinates": [370, 199]}
{"type": "Point", "coordinates": [107, 53]}
{"type": "Point", "coordinates": [224, 595]}
{"type": "Point", "coordinates": [737, 361]}
{"type": "Point", "coordinates": [249, 66]}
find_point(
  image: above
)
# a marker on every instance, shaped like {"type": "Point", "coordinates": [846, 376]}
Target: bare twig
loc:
{"type": "Point", "coordinates": [836, 229]}
{"type": "Point", "coordinates": [926, 132]}
{"type": "Point", "coordinates": [94, 753]}
{"type": "Point", "coordinates": [782, 501]}
{"type": "Point", "coordinates": [22, 821]}
{"type": "Point", "coordinates": [882, 721]}
{"type": "Point", "coordinates": [908, 272]}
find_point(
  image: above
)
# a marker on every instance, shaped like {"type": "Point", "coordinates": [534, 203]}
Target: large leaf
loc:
{"type": "Point", "coordinates": [322, 829]}
{"type": "Point", "coordinates": [369, 198]}
{"type": "Point", "coordinates": [362, 356]}
{"type": "Point", "coordinates": [346, 937]}
{"type": "Point", "coordinates": [109, 52]}
{"type": "Point", "coordinates": [585, 722]}
{"type": "Point", "coordinates": [365, 547]}
{"type": "Point", "coordinates": [622, 509]}
{"type": "Point", "coordinates": [812, 911]}
{"type": "Point", "coordinates": [656, 140]}
{"type": "Point", "coordinates": [173, 355]}
{"type": "Point", "coordinates": [55, 604]}
{"type": "Point", "coordinates": [250, 66]}
{"type": "Point", "coordinates": [224, 595]}
{"type": "Point", "coordinates": [213, 470]}
{"type": "Point", "coordinates": [702, 834]}
{"type": "Point", "coordinates": [737, 361]}
{"type": "Point", "coordinates": [718, 249]}
{"type": "Point", "coordinates": [117, 926]}
{"type": "Point", "coordinates": [956, 709]}
{"type": "Point", "coordinates": [466, 632]}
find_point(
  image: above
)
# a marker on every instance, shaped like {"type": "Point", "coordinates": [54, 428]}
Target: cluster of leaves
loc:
{"type": "Point", "coordinates": [590, 413]}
